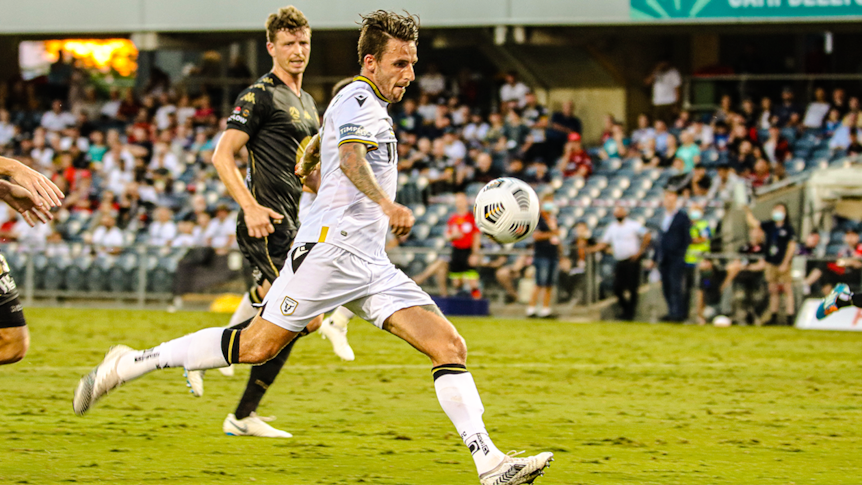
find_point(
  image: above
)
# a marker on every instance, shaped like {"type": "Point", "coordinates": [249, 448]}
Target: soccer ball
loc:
{"type": "Point", "coordinates": [506, 210]}
{"type": "Point", "coordinates": [722, 321]}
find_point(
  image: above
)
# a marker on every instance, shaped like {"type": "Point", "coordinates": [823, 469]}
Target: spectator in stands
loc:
{"type": "Point", "coordinates": [546, 258]}
{"type": "Point", "coordinates": [725, 109]}
{"type": "Point", "coordinates": [462, 233]}
{"type": "Point", "coordinates": [562, 124]}
{"type": "Point", "coordinates": [712, 296]}
{"type": "Point", "coordinates": [513, 90]}
{"type": "Point", "coordinates": [628, 240]}
{"type": "Point", "coordinates": [97, 149]}
{"type": "Point", "coordinates": [408, 119]}
{"type": "Point", "coordinates": [57, 120]}
{"type": "Point", "coordinates": [840, 140]}
{"type": "Point", "coordinates": [221, 231]}
{"type": "Point", "coordinates": [767, 116]}
{"type": "Point", "coordinates": [432, 82]}
{"type": "Point", "coordinates": [128, 107]}
{"type": "Point", "coordinates": [163, 230]}
{"type": "Point", "coordinates": [575, 160]}
{"type": "Point", "coordinates": [7, 129]}
{"type": "Point", "coordinates": [776, 147]}
{"type": "Point", "coordinates": [651, 157]}
{"type": "Point", "coordinates": [788, 111]}
{"type": "Point", "coordinates": [665, 81]}
{"type": "Point", "coordinates": [761, 174]}
{"type": "Point", "coordinates": [688, 152]}
{"type": "Point", "coordinates": [743, 160]}
{"type": "Point", "coordinates": [616, 146]}
{"type": "Point", "coordinates": [476, 130]}
{"type": "Point", "coordinates": [532, 110]}
{"type": "Point", "coordinates": [662, 136]}
{"type": "Point", "coordinates": [508, 275]}
{"type": "Point", "coordinates": [674, 239]}
{"type": "Point", "coordinates": [643, 132]}
{"type": "Point", "coordinates": [780, 247]}
{"type": "Point", "coordinates": [855, 148]}
{"type": "Point", "coordinates": [516, 132]}
{"type": "Point", "coordinates": [701, 183]}
{"type": "Point", "coordinates": [573, 267]}
{"type": "Point", "coordinates": [107, 237]}
{"type": "Point", "coordinates": [748, 113]}
{"type": "Point", "coordinates": [702, 133]}
{"type": "Point", "coordinates": [817, 110]}
{"type": "Point", "coordinates": [839, 101]}
{"type": "Point", "coordinates": [485, 171]}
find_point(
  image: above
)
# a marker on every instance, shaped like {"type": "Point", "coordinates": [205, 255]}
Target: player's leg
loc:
{"type": "Point", "coordinates": [840, 297]}
{"type": "Point", "coordinates": [209, 348]}
{"type": "Point", "coordinates": [14, 337]}
{"type": "Point", "coordinates": [427, 330]}
{"type": "Point", "coordinates": [398, 305]}
{"type": "Point", "coordinates": [334, 329]}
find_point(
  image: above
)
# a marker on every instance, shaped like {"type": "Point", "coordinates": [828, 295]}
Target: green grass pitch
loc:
{"type": "Point", "coordinates": [646, 404]}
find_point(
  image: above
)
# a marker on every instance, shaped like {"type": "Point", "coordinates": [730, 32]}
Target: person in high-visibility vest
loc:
{"type": "Point", "coordinates": [701, 234]}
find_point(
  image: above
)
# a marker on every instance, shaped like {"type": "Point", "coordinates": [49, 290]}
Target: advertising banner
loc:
{"type": "Point", "coordinates": [742, 9]}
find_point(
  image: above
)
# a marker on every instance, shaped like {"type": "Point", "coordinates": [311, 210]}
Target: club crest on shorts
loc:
{"type": "Point", "coordinates": [288, 306]}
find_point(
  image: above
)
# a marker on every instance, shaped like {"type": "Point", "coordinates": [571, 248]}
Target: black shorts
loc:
{"type": "Point", "coordinates": [266, 255]}
{"type": "Point", "coordinates": [11, 311]}
{"type": "Point", "coordinates": [459, 263]}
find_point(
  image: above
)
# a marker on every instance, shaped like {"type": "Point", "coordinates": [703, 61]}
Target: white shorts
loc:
{"type": "Point", "coordinates": [319, 277]}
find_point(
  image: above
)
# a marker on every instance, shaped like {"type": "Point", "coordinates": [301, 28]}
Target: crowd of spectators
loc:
{"type": "Point", "coordinates": [136, 164]}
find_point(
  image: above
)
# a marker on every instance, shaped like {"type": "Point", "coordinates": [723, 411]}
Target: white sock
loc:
{"type": "Point", "coordinates": [341, 317]}
{"type": "Point", "coordinates": [196, 351]}
{"type": "Point", "coordinates": [243, 312]}
{"type": "Point", "coordinates": [460, 400]}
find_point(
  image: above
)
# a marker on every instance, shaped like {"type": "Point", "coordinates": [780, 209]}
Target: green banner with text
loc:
{"type": "Point", "coordinates": [700, 9]}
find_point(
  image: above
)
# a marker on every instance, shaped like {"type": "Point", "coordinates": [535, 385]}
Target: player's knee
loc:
{"type": "Point", "coordinates": [14, 352]}
{"type": "Point", "coordinates": [456, 348]}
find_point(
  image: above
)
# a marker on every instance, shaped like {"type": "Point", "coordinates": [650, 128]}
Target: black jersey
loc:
{"type": "Point", "coordinates": [279, 125]}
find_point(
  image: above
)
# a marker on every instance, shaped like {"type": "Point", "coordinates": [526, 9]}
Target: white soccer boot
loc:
{"type": "Point", "coordinates": [195, 381]}
{"type": "Point", "coordinates": [338, 338]}
{"type": "Point", "coordinates": [515, 471]}
{"type": "Point", "coordinates": [253, 425]}
{"type": "Point", "coordinates": [101, 380]}
{"type": "Point", "coordinates": [226, 371]}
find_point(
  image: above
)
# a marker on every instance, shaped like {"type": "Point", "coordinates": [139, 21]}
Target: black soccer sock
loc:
{"type": "Point", "coordinates": [855, 299]}
{"type": "Point", "coordinates": [262, 376]}
{"type": "Point", "coordinates": [230, 345]}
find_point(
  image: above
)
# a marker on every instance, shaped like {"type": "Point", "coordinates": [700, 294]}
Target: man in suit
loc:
{"type": "Point", "coordinates": [673, 244]}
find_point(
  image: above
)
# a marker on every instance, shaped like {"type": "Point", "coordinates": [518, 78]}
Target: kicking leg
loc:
{"type": "Point", "coordinates": [205, 349]}
{"type": "Point", "coordinates": [427, 330]}
{"type": "Point", "coordinates": [840, 297]}
{"type": "Point", "coordinates": [334, 329]}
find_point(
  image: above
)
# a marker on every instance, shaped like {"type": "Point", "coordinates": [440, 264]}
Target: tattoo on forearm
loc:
{"type": "Point", "coordinates": [357, 170]}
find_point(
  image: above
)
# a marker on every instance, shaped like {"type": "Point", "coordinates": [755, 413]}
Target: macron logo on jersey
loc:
{"type": "Point", "coordinates": [360, 98]}
{"type": "Point", "coordinates": [351, 130]}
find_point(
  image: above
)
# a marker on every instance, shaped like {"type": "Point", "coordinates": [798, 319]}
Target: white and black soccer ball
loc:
{"type": "Point", "coordinates": [506, 210]}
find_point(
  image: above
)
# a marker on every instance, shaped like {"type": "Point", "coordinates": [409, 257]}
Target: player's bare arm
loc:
{"type": "Point", "coordinates": [310, 159]}
{"type": "Point", "coordinates": [36, 183]}
{"type": "Point", "coordinates": [357, 170]}
{"type": "Point", "coordinates": [258, 218]}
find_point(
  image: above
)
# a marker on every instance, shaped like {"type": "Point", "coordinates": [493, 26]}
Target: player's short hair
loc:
{"type": "Point", "coordinates": [289, 19]}
{"type": "Point", "coordinates": [380, 26]}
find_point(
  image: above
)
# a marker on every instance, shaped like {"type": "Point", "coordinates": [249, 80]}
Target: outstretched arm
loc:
{"type": "Point", "coordinates": [357, 170]}
{"type": "Point", "coordinates": [36, 183]}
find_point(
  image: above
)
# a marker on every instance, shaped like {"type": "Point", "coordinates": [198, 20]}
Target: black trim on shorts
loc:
{"type": "Point", "coordinates": [12, 314]}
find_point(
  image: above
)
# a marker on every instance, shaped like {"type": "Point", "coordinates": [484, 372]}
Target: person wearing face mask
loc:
{"type": "Point", "coordinates": [628, 240]}
{"type": "Point", "coordinates": [701, 234]}
{"type": "Point", "coordinates": [780, 247]}
{"type": "Point", "coordinates": [546, 258]}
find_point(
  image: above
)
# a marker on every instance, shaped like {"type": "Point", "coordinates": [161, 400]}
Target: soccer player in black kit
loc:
{"type": "Point", "coordinates": [274, 119]}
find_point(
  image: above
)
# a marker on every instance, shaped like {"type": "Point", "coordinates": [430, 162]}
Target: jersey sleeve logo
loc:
{"type": "Point", "coordinates": [294, 113]}
{"type": "Point", "coordinates": [248, 98]}
{"type": "Point", "coordinates": [351, 130]}
{"type": "Point", "coordinates": [360, 98]}
{"type": "Point", "coordinates": [288, 306]}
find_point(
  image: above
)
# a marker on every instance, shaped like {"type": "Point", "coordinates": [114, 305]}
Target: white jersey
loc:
{"type": "Point", "coordinates": [341, 215]}
{"type": "Point", "coordinates": [305, 201]}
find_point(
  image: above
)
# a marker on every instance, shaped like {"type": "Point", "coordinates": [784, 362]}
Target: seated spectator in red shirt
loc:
{"type": "Point", "coordinates": [575, 160]}
{"type": "Point", "coordinates": [761, 175]}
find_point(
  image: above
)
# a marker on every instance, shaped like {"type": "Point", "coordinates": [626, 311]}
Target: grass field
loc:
{"type": "Point", "coordinates": [646, 404]}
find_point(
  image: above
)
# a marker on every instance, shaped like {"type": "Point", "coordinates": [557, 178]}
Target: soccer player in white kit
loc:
{"type": "Point", "coordinates": [338, 258]}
